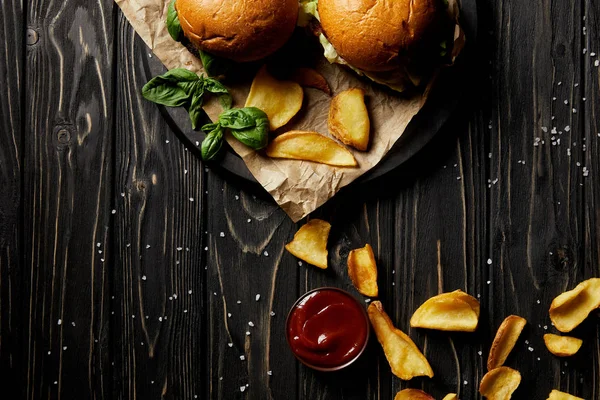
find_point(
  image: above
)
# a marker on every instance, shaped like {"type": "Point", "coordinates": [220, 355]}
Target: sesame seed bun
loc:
{"type": "Point", "coordinates": [240, 30]}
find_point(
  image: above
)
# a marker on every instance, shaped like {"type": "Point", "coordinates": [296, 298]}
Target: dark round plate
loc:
{"type": "Point", "coordinates": [440, 105]}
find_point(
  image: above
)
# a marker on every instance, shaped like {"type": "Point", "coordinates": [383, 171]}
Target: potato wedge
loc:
{"type": "Point", "coordinates": [412, 394]}
{"type": "Point", "coordinates": [451, 396]}
{"type": "Point", "coordinates": [309, 77]}
{"type": "Point", "coordinates": [562, 346]}
{"type": "Point", "coordinates": [349, 119]}
{"type": "Point", "coordinates": [506, 337]}
{"type": "Point", "coordinates": [556, 395]}
{"type": "Point", "coordinates": [363, 270]}
{"type": "Point", "coordinates": [500, 383]}
{"type": "Point", "coordinates": [310, 243]}
{"type": "Point", "coordinates": [454, 311]}
{"type": "Point", "coordinates": [569, 309]}
{"type": "Point", "coordinates": [403, 355]}
{"type": "Point", "coordinates": [280, 100]}
{"type": "Point", "coordinates": [310, 146]}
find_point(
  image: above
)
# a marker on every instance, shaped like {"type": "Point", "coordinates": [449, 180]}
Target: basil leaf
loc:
{"type": "Point", "coordinates": [237, 118]}
{"type": "Point", "coordinates": [216, 87]}
{"type": "Point", "coordinates": [209, 127]}
{"type": "Point", "coordinates": [256, 136]}
{"type": "Point", "coordinates": [197, 113]}
{"type": "Point", "coordinates": [215, 66]}
{"type": "Point", "coordinates": [212, 144]}
{"type": "Point", "coordinates": [173, 24]}
{"type": "Point", "coordinates": [170, 89]}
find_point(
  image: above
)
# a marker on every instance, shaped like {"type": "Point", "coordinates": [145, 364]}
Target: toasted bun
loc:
{"type": "Point", "coordinates": [240, 30]}
{"type": "Point", "coordinates": [376, 35]}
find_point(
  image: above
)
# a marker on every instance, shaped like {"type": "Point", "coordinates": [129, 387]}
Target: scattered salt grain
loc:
{"type": "Point", "coordinates": [250, 323]}
{"type": "Point", "coordinates": [269, 373]}
{"type": "Point", "coordinates": [247, 333]}
{"type": "Point", "coordinates": [242, 357]}
{"type": "Point", "coordinates": [229, 314]}
{"type": "Point", "coordinates": [143, 277]}
{"type": "Point", "coordinates": [272, 314]}
{"type": "Point", "coordinates": [489, 261]}
{"type": "Point", "coordinates": [222, 234]}
{"type": "Point", "coordinates": [230, 344]}
{"type": "Point", "coordinates": [114, 212]}
{"type": "Point", "coordinates": [59, 321]}
{"type": "Point", "coordinates": [242, 388]}
{"type": "Point", "coordinates": [191, 199]}
{"type": "Point", "coordinates": [266, 253]}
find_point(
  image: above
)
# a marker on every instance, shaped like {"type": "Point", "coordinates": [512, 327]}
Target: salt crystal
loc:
{"type": "Point", "coordinates": [250, 323]}
{"type": "Point", "coordinates": [230, 344]}
{"type": "Point", "coordinates": [229, 314]}
{"type": "Point", "coordinates": [247, 333]}
{"type": "Point", "coordinates": [242, 357]}
{"type": "Point", "coordinates": [242, 388]}
{"type": "Point", "coordinates": [266, 253]}
{"type": "Point", "coordinates": [257, 297]}
{"type": "Point", "coordinates": [222, 234]}
{"type": "Point", "coordinates": [59, 321]}
{"type": "Point", "coordinates": [191, 199]}
{"type": "Point", "coordinates": [269, 373]}
{"type": "Point", "coordinates": [489, 261]}
{"type": "Point", "coordinates": [596, 63]}
{"type": "Point", "coordinates": [143, 277]}
{"type": "Point", "coordinates": [114, 212]}
{"type": "Point", "coordinates": [272, 314]}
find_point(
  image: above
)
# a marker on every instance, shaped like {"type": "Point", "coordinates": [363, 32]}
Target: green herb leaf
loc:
{"type": "Point", "coordinates": [209, 127]}
{"type": "Point", "coordinates": [171, 89]}
{"type": "Point", "coordinates": [249, 125]}
{"type": "Point", "coordinates": [212, 144]}
{"type": "Point", "coordinates": [214, 86]}
{"type": "Point", "coordinates": [215, 66]}
{"type": "Point", "coordinates": [173, 24]}
{"type": "Point", "coordinates": [197, 113]}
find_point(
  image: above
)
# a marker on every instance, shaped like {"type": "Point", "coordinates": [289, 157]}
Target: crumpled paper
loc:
{"type": "Point", "coordinates": [299, 187]}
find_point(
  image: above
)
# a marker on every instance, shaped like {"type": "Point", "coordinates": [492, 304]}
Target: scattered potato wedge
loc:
{"type": "Point", "coordinates": [562, 346]}
{"type": "Point", "coordinates": [310, 146]}
{"type": "Point", "coordinates": [412, 394]}
{"type": "Point", "coordinates": [363, 270]}
{"type": "Point", "coordinates": [454, 311]}
{"type": "Point", "coordinates": [506, 337]}
{"type": "Point", "coordinates": [500, 383]}
{"type": "Point", "coordinates": [569, 309]}
{"type": "Point", "coordinates": [280, 100]}
{"type": "Point", "coordinates": [309, 77]}
{"type": "Point", "coordinates": [556, 395]}
{"type": "Point", "coordinates": [310, 243]}
{"type": "Point", "coordinates": [451, 396]}
{"type": "Point", "coordinates": [405, 358]}
{"type": "Point", "coordinates": [349, 118]}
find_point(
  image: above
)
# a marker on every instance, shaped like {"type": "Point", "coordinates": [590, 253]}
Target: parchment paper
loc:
{"type": "Point", "coordinates": [299, 187]}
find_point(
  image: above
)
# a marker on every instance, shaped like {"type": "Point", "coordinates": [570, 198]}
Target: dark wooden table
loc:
{"type": "Point", "coordinates": [122, 255]}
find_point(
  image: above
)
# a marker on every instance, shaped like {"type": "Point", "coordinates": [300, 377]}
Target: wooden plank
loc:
{"type": "Point", "coordinates": [354, 223]}
{"type": "Point", "coordinates": [67, 199]}
{"type": "Point", "coordinates": [11, 150]}
{"type": "Point", "coordinates": [249, 276]}
{"type": "Point", "coordinates": [536, 232]}
{"type": "Point", "coordinates": [159, 320]}
{"type": "Point", "coordinates": [590, 178]}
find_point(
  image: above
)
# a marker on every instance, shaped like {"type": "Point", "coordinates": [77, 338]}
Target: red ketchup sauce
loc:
{"type": "Point", "coordinates": [327, 328]}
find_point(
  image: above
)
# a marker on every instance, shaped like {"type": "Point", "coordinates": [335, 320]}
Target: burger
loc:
{"type": "Point", "coordinates": [397, 43]}
{"type": "Point", "coordinates": [238, 30]}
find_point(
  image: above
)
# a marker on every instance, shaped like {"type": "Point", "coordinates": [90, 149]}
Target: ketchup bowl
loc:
{"type": "Point", "coordinates": [327, 329]}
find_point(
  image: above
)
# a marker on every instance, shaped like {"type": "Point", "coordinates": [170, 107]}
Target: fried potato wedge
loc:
{"type": "Point", "coordinates": [556, 395]}
{"type": "Point", "coordinates": [412, 394]}
{"type": "Point", "coordinates": [310, 146]}
{"type": "Point", "coordinates": [349, 118]}
{"type": "Point", "coordinates": [363, 270]}
{"type": "Point", "coordinates": [500, 383]}
{"type": "Point", "coordinates": [309, 77]}
{"type": "Point", "coordinates": [451, 396]}
{"type": "Point", "coordinates": [280, 100]}
{"type": "Point", "coordinates": [454, 311]}
{"type": "Point", "coordinates": [562, 346]}
{"type": "Point", "coordinates": [403, 355]}
{"type": "Point", "coordinates": [506, 337]}
{"type": "Point", "coordinates": [310, 243]}
{"type": "Point", "coordinates": [569, 309]}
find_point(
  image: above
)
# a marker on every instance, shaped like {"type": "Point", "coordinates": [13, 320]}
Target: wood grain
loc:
{"type": "Point", "coordinates": [153, 261]}
{"type": "Point", "coordinates": [159, 288]}
{"type": "Point", "coordinates": [66, 200]}
{"type": "Point", "coordinates": [11, 152]}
